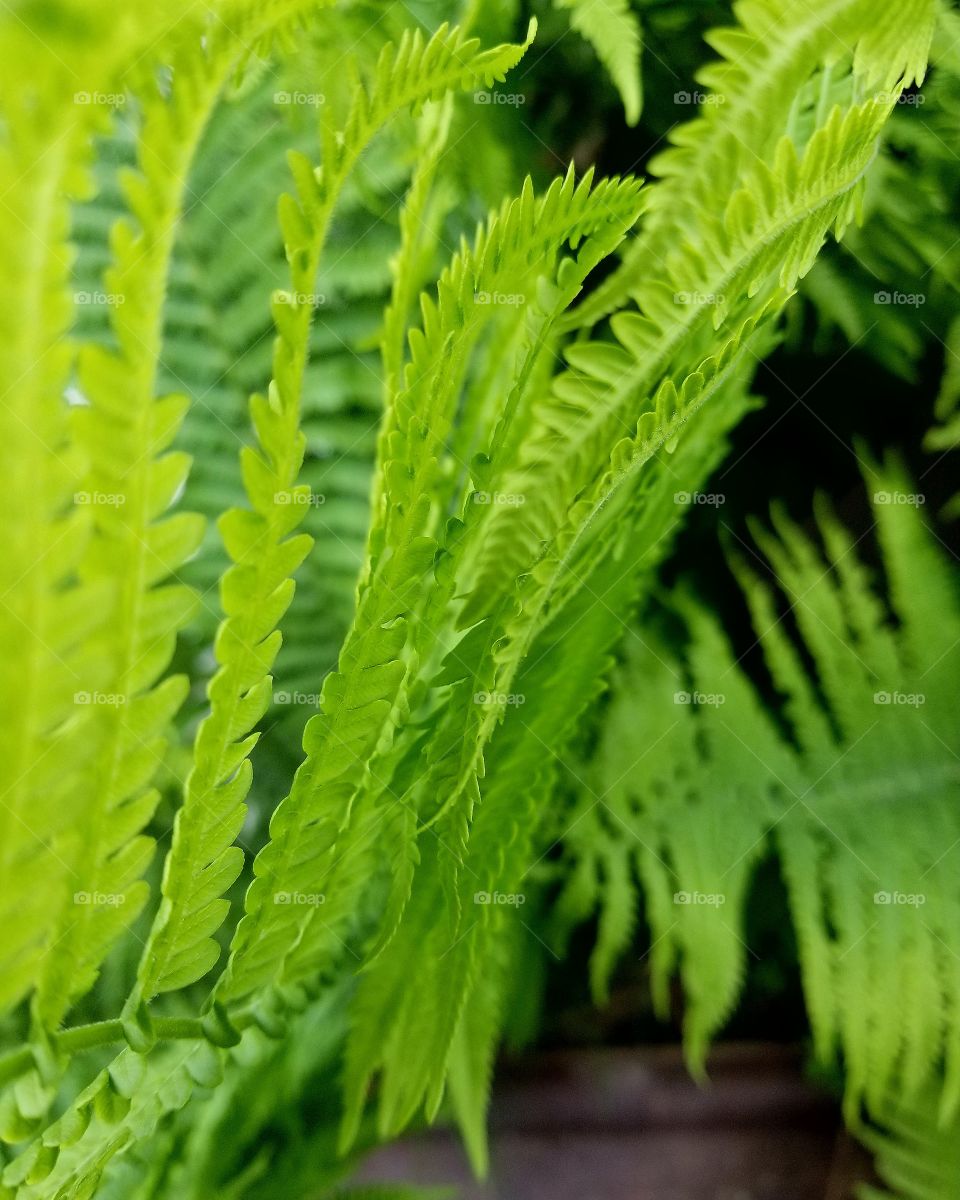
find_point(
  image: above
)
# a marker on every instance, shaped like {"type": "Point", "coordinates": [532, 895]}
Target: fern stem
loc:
{"type": "Point", "coordinates": [102, 1033]}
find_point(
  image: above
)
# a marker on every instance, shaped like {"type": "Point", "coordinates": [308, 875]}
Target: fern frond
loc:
{"type": "Point", "coordinates": [613, 29]}
{"type": "Point", "coordinates": [124, 431]}
{"type": "Point", "coordinates": [773, 227]}
{"type": "Point", "coordinates": [408, 75]}
{"type": "Point", "coordinates": [864, 864]}
{"type": "Point", "coordinates": [48, 613]}
{"type": "Point", "coordinates": [946, 435]}
{"type": "Point", "coordinates": [770, 236]}
{"type": "Point", "coordinates": [891, 286]}
{"type": "Point", "coordinates": [916, 1155]}
{"type": "Point", "coordinates": [695, 884]}
{"type": "Point", "coordinates": [255, 592]}
{"type": "Point", "coordinates": [130, 624]}
{"type": "Point", "coordinates": [777, 50]}
{"type": "Point", "coordinates": [473, 1050]}
{"type": "Point", "coordinates": [558, 683]}
{"type": "Point", "coordinates": [454, 752]}
{"type": "Point", "coordinates": [45, 614]}
{"type": "Point", "coordinates": [870, 898]}
{"type": "Point", "coordinates": [564, 496]}
{"type": "Point", "coordinates": [358, 699]}
{"type": "Point", "coordinates": [124, 1103]}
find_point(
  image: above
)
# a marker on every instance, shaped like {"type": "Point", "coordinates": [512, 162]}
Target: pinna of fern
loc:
{"type": "Point", "coordinates": [891, 287]}
{"type": "Point", "coordinates": [613, 29]}
{"type": "Point", "coordinates": [50, 610]}
{"type": "Point", "coordinates": [781, 69]}
{"type": "Point", "coordinates": [917, 1154]}
{"type": "Point", "coordinates": [870, 735]}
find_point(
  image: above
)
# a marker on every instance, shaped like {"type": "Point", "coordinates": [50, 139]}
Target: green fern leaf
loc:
{"type": "Point", "coordinates": [916, 1155]}
{"type": "Point", "coordinates": [48, 614]}
{"type": "Point", "coordinates": [613, 29]}
{"type": "Point", "coordinates": [406, 76]}
{"type": "Point", "coordinates": [871, 899]}
{"type": "Point", "coordinates": [777, 51]}
{"type": "Point", "coordinates": [124, 431]}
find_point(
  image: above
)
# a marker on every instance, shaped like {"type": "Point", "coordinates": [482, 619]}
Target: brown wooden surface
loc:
{"type": "Point", "coordinates": [625, 1124]}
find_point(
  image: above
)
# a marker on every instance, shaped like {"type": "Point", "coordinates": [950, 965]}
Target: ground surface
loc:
{"type": "Point", "coordinates": [631, 1125]}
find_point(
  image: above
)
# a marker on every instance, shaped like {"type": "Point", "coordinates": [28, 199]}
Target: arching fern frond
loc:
{"type": "Point", "coordinates": [780, 72]}
{"type": "Point", "coordinates": [47, 613]}
{"type": "Point", "coordinates": [124, 431]}
{"type": "Point", "coordinates": [891, 287]}
{"type": "Point", "coordinates": [44, 611]}
{"type": "Point", "coordinates": [576, 498]}
{"type": "Point", "coordinates": [257, 589]}
{"type": "Point", "coordinates": [472, 966]}
{"type": "Point", "coordinates": [128, 623]}
{"type": "Point", "coordinates": [613, 29]}
{"type": "Point", "coordinates": [916, 1155]}
{"type": "Point", "coordinates": [361, 699]}
{"type": "Point", "coordinates": [408, 75]}
{"type": "Point", "coordinates": [857, 800]}
{"type": "Point", "coordinates": [572, 494]}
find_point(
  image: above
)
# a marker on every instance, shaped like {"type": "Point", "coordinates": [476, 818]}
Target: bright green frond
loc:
{"type": "Point", "coordinates": [871, 899]}
{"type": "Point", "coordinates": [613, 29]}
